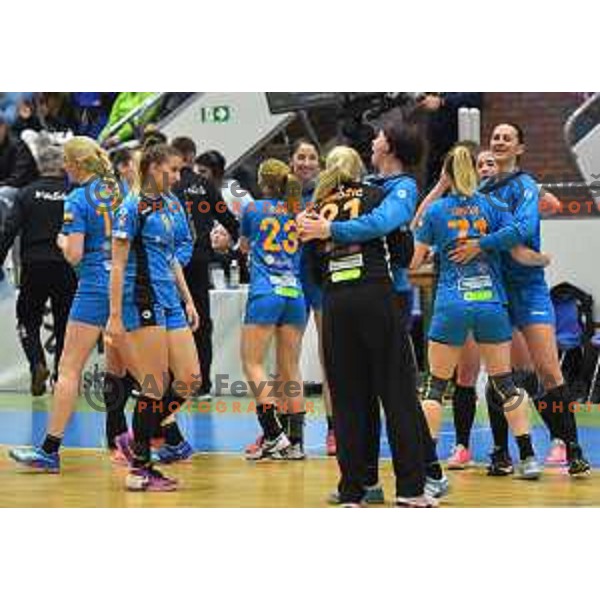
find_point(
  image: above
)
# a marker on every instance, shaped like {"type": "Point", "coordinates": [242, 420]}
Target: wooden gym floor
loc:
{"type": "Point", "coordinates": [220, 481]}
{"type": "Point", "coordinates": [220, 477]}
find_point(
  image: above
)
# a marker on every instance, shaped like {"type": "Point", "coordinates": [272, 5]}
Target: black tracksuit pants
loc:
{"type": "Point", "coordinates": [368, 356]}
{"type": "Point", "coordinates": [198, 280]}
{"type": "Point", "coordinates": [40, 282]}
{"type": "Point", "coordinates": [403, 304]}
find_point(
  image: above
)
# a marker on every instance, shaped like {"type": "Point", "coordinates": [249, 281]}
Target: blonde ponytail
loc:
{"type": "Point", "coordinates": [275, 179]}
{"type": "Point", "coordinates": [93, 160]}
{"type": "Point", "coordinates": [136, 183]}
{"type": "Point", "coordinates": [461, 168]}
{"type": "Point", "coordinates": [343, 165]}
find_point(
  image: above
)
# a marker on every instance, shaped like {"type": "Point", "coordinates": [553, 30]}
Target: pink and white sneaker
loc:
{"type": "Point", "coordinates": [557, 457]}
{"type": "Point", "coordinates": [461, 459]}
{"type": "Point", "coordinates": [418, 502]}
{"type": "Point", "coordinates": [149, 479]}
{"type": "Point", "coordinates": [331, 444]}
{"type": "Point", "coordinates": [256, 446]}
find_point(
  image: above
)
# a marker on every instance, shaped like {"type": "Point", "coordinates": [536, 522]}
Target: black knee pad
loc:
{"type": "Point", "coordinates": [504, 387]}
{"type": "Point", "coordinates": [435, 389]}
{"type": "Point", "coordinates": [528, 380]}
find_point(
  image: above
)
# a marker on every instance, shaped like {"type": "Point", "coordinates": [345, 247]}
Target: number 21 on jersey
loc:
{"type": "Point", "coordinates": [331, 210]}
{"type": "Point", "coordinates": [464, 226]}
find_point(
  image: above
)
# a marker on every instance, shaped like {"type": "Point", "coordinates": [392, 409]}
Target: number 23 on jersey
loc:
{"type": "Point", "coordinates": [273, 227]}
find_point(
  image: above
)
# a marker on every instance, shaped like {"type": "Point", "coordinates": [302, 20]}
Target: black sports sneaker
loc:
{"type": "Point", "coordinates": [501, 464]}
{"type": "Point", "coordinates": [578, 465]}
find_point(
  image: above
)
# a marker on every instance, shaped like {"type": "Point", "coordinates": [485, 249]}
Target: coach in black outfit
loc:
{"type": "Point", "coordinates": [37, 216]}
{"type": "Point", "coordinates": [17, 167]}
{"type": "Point", "coordinates": [204, 205]}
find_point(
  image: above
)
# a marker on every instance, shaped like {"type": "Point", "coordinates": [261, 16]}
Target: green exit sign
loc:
{"type": "Point", "coordinates": [216, 114]}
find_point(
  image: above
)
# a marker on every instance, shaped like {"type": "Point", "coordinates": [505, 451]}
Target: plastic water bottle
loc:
{"type": "Point", "coordinates": [234, 275]}
{"type": "Point", "coordinates": [217, 276]}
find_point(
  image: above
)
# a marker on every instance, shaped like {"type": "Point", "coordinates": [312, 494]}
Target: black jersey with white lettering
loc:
{"type": "Point", "coordinates": [338, 265]}
{"type": "Point", "coordinates": [37, 216]}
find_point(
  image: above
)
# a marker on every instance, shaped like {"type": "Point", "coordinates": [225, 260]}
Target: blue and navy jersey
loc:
{"type": "Point", "coordinates": [402, 188]}
{"type": "Point", "coordinates": [275, 255]}
{"type": "Point", "coordinates": [184, 244]}
{"type": "Point", "coordinates": [518, 194]}
{"type": "Point", "coordinates": [451, 221]}
{"type": "Point", "coordinates": [149, 226]}
{"type": "Point", "coordinates": [89, 210]}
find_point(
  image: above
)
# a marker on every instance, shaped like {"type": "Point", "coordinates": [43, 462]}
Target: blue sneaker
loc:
{"type": "Point", "coordinates": [374, 496]}
{"type": "Point", "coordinates": [36, 459]}
{"type": "Point", "coordinates": [168, 455]}
{"type": "Point", "coordinates": [529, 469]}
{"type": "Point", "coordinates": [437, 488]}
